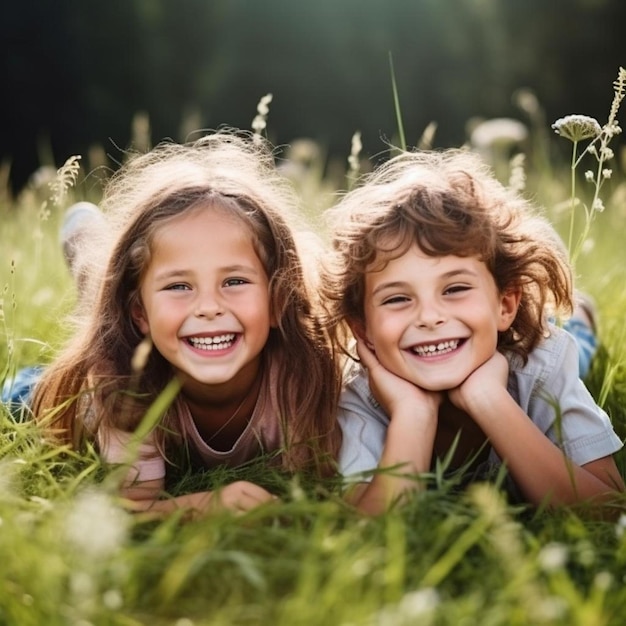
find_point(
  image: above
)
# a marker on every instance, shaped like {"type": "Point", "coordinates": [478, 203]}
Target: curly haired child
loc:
{"type": "Point", "coordinates": [445, 277]}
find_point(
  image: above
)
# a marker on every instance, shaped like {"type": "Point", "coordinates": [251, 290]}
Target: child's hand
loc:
{"type": "Point", "coordinates": [477, 389]}
{"type": "Point", "coordinates": [239, 497]}
{"type": "Point", "coordinates": [391, 391]}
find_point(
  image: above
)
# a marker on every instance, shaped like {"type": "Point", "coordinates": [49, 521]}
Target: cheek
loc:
{"type": "Point", "coordinates": [381, 333]}
{"type": "Point", "coordinates": [370, 328]}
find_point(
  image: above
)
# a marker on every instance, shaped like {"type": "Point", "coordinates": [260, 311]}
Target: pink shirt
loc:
{"type": "Point", "coordinates": [262, 434]}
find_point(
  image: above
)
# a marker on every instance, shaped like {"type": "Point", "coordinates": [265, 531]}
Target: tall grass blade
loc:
{"type": "Point", "coordinates": [396, 102]}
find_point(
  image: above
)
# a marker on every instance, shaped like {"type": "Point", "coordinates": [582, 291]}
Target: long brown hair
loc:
{"type": "Point", "coordinates": [229, 172]}
{"type": "Point", "coordinates": [449, 203]}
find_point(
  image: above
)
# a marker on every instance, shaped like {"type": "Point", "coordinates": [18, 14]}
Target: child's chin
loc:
{"type": "Point", "coordinates": [440, 385]}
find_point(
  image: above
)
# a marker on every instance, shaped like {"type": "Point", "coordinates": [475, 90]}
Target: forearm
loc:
{"type": "Point", "coordinates": [406, 454]}
{"type": "Point", "coordinates": [237, 497]}
{"type": "Point", "coordinates": [193, 504]}
{"type": "Point", "coordinates": [538, 466]}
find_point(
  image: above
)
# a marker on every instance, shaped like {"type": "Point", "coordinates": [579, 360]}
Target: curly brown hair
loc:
{"type": "Point", "coordinates": [449, 203]}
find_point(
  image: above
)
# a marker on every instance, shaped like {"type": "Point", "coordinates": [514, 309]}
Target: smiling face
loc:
{"type": "Point", "coordinates": [434, 320]}
{"type": "Point", "coordinates": [205, 299]}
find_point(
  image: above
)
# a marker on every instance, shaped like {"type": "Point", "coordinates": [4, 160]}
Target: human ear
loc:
{"type": "Point", "coordinates": [359, 331]}
{"type": "Point", "coordinates": [138, 313]}
{"type": "Point", "coordinates": [273, 320]}
{"type": "Point", "coordinates": [509, 304]}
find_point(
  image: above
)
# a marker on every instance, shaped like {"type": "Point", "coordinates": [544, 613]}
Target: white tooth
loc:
{"type": "Point", "coordinates": [440, 348]}
{"type": "Point", "coordinates": [213, 343]}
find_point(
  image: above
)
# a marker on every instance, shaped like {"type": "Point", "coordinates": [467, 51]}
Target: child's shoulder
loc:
{"type": "Point", "coordinates": [556, 352]}
{"type": "Point", "coordinates": [356, 388]}
{"type": "Point", "coordinates": [354, 378]}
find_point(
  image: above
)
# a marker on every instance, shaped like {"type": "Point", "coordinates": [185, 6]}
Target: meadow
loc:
{"type": "Point", "coordinates": [71, 555]}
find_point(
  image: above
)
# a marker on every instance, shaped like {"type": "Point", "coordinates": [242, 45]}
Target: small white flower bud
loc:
{"type": "Point", "coordinates": [606, 153]}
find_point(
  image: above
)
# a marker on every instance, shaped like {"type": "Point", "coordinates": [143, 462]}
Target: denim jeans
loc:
{"type": "Point", "coordinates": [16, 392]}
{"type": "Point", "coordinates": [586, 341]}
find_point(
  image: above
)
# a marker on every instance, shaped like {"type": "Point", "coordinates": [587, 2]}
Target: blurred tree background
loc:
{"type": "Point", "coordinates": [76, 72]}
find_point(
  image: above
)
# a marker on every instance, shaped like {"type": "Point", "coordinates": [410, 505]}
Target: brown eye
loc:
{"type": "Point", "coordinates": [235, 282]}
{"type": "Point", "coordinates": [395, 300]}
{"type": "Point", "coordinates": [456, 289]}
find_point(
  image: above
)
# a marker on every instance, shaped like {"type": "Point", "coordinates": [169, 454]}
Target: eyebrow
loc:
{"type": "Point", "coordinates": [229, 269]}
{"type": "Point", "coordinates": [248, 269]}
{"type": "Point", "coordinates": [396, 284]}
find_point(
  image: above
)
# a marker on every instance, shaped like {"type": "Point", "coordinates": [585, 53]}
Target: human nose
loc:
{"type": "Point", "coordinates": [208, 305]}
{"type": "Point", "coordinates": [430, 314]}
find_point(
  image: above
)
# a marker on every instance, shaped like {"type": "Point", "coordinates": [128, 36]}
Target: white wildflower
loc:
{"type": "Point", "coordinates": [603, 581]}
{"type": "Point", "coordinates": [355, 151]}
{"type": "Point", "coordinates": [418, 602]}
{"type": "Point", "coordinates": [620, 526]}
{"type": "Point", "coordinates": [550, 609]}
{"type": "Point", "coordinates": [263, 106]}
{"type": "Point", "coordinates": [95, 526]}
{"type": "Point", "coordinates": [597, 205]}
{"type": "Point", "coordinates": [577, 127]}
{"type": "Point", "coordinates": [613, 129]}
{"type": "Point", "coordinates": [591, 149]}
{"type": "Point", "coordinates": [552, 557]}
{"type": "Point", "coordinates": [606, 173]}
{"type": "Point", "coordinates": [414, 606]}
{"type": "Point", "coordinates": [259, 123]}
{"type": "Point", "coordinates": [588, 245]}
{"type": "Point", "coordinates": [112, 599]}
{"type": "Point", "coordinates": [606, 154]}
{"type": "Point", "coordinates": [589, 176]}
{"type": "Point", "coordinates": [498, 131]}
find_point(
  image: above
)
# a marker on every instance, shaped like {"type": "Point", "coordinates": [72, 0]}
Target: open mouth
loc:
{"type": "Point", "coordinates": [217, 342]}
{"type": "Point", "coordinates": [436, 349]}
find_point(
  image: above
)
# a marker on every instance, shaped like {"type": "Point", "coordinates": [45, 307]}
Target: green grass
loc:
{"type": "Point", "coordinates": [70, 554]}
